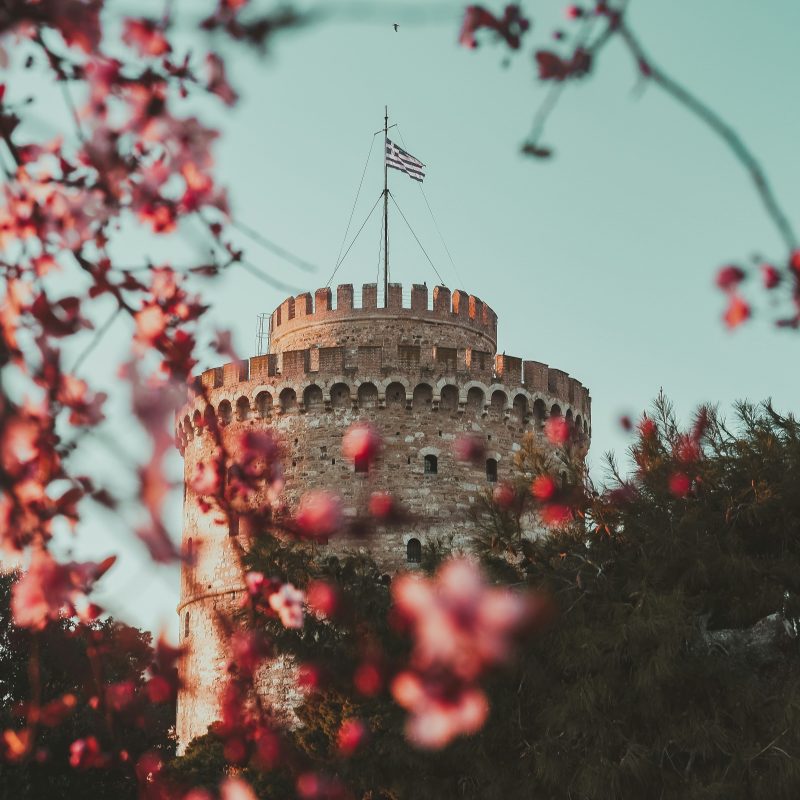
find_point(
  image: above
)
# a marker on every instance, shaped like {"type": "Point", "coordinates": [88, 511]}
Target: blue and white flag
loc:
{"type": "Point", "coordinates": [397, 158]}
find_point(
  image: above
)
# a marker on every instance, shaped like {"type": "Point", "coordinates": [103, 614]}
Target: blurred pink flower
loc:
{"type": "Point", "coordinates": [556, 429]}
{"type": "Point", "coordinates": [287, 602]}
{"type": "Point", "coordinates": [351, 736]}
{"type": "Point", "coordinates": [458, 621]}
{"type": "Point", "coordinates": [469, 448]}
{"type": "Point", "coordinates": [438, 717]}
{"type": "Point", "coordinates": [319, 514]}
{"type": "Point", "coordinates": [361, 444]}
{"type": "Point", "coordinates": [86, 753]}
{"type": "Point", "coordinates": [48, 589]}
{"type": "Point", "coordinates": [236, 789]}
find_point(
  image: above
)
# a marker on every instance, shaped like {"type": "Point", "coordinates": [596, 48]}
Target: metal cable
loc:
{"type": "Point", "coordinates": [353, 241]}
{"type": "Point", "coordinates": [358, 193]}
{"type": "Point", "coordinates": [417, 238]}
{"type": "Point", "coordinates": [435, 223]}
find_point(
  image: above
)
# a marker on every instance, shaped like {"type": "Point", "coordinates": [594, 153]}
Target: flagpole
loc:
{"type": "Point", "coordinates": [385, 209]}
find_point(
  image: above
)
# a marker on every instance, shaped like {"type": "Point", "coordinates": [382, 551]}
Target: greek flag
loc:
{"type": "Point", "coordinates": [397, 158]}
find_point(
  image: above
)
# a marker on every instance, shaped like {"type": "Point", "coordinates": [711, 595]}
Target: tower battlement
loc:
{"type": "Point", "coordinates": [335, 317]}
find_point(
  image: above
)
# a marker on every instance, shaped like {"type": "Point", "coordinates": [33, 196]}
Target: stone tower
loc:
{"type": "Point", "coordinates": [422, 370]}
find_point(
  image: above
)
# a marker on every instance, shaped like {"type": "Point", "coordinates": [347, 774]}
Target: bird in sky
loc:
{"type": "Point", "coordinates": [396, 26]}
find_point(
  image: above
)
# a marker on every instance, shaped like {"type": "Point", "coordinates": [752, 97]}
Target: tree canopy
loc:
{"type": "Point", "coordinates": [85, 680]}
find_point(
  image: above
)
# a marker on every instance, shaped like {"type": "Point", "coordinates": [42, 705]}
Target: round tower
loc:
{"type": "Point", "coordinates": [423, 371]}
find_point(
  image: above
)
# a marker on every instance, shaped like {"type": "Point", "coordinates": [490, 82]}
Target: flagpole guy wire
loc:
{"type": "Point", "coordinates": [435, 223]}
{"type": "Point", "coordinates": [441, 280]}
{"type": "Point", "coordinates": [355, 202]}
{"type": "Point", "coordinates": [353, 240]}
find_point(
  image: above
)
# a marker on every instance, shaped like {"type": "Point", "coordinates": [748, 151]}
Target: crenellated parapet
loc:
{"type": "Point", "coordinates": [522, 394]}
{"type": "Point", "coordinates": [331, 317]}
{"type": "Point", "coordinates": [321, 365]}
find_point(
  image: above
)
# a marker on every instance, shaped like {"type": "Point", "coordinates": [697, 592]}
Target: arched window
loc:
{"type": "Point", "coordinates": [520, 408]}
{"type": "Point", "coordinates": [367, 395]}
{"type": "Point", "coordinates": [264, 404]}
{"type": "Point", "coordinates": [340, 395]}
{"type": "Point", "coordinates": [555, 410]}
{"type": "Point", "coordinates": [312, 398]}
{"type": "Point", "coordinates": [189, 550]}
{"type": "Point", "coordinates": [539, 412]}
{"type": "Point", "coordinates": [225, 412]}
{"type": "Point", "coordinates": [498, 403]}
{"type": "Point", "coordinates": [449, 399]}
{"type": "Point", "coordinates": [491, 470]}
{"type": "Point", "coordinates": [475, 401]}
{"type": "Point", "coordinates": [288, 400]}
{"type": "Point", "coordinates": [242, 409]}
{"type": "Point", "coordinates": [414, 551]}
{"type": "Point", "coordinates": [186, 625]}
{"type": "Point", "coordinates": [431, 465]}
{"type": "Point", "coordinates": [396, 395]}
{"type": "Point", "coordinates": [421, 399]}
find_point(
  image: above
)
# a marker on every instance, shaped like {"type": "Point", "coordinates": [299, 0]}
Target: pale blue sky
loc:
{"type": "Point", "coordinates": [599, 262]}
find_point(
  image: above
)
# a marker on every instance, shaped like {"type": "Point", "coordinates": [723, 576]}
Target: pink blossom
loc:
{"type": "Point", "coordinates": [322, 598]}
{"type": "Point", "coordinates": [151, 323]}
{"type": "Point", "coordinates": [120, 695]}
{"type": "Point", "coordinates": [207, 478]}
{"type": "Point", "coordinates": [459, 622]}
{"type": "Point", "coordinates": [145, 36]}
{"type": "Point", "coordinates": [470, 448]}
{"type": "Point", "coordinates": [361, 444]}
{"type": "Point", "coordinates": [382, 506]}
{"type": "Point", "coordinates": [218, 80]}
{"type": "Point", "coordinates": [510, 27]}
{"type": "Point", "coordinates": [351, 736]}
{"type": "Point", "coordinates": [556, 515]}
{"type": "Point", "coordinates": [680, 484]}
{"type": "Point", "coordinates": [556, 429]}
{"type": "Point", "coordinates": [85, 407]}
{"type": "Point", "coordinates": [729, 277]}
{"type": "Point", "coordinates": [436, 716]}
{"type": "Point", "coordinates": [319, 514]}
{"type": "Point", "coordinates": [287, 602]}
{"type": "Point", "coordinates": [48, 589]}
{"type": "Point", "coordinates": [504, 495]}
{"type": "Point", "coordinates": [86, 754]}
{"type": "Point", "coordinates": [543, 487]}
{"type": "Point", "coordinates": [737, 312]}
{"type": "Point", "coordinates": [368, 679]}
{"type": "Point", "coordinates": [249, 648]}
{"type": "Point", "coordinates": [236, 789]}
{"type": "Point", "coordinates": [770, 276]}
